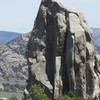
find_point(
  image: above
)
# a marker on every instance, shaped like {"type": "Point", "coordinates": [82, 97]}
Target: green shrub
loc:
{"type": "Point", "coordinates": [13, 98]}
{"type": "Point", "coordinates": [64, 98]}
{"type": "Point", "coordinates": [37, 93]}
{"type": "Point", "coordinates": [72, 95]}
{"type": "Point", "coordinates": [89, 98]}
{"type": "Point", "coordinates": [69, 96]}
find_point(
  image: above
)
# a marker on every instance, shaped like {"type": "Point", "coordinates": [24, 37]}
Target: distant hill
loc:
{"type": "Point", "coordinates": [13, 65]}
{"type": "Point", "coordinates": [96, 36]}
{"type": "Point", "coordinates": [98, 49]}
{"type": "Point", "coordinates": [12, 57]}
{"type": "Point", "coordinates": [7, 36]}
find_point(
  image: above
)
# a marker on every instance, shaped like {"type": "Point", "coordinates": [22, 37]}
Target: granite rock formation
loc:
{"type": "Point", "coordinates": [61, 53]}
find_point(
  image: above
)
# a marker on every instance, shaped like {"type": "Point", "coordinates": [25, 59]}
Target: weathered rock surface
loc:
{"type": "Point", "coordinates": [61, 52]}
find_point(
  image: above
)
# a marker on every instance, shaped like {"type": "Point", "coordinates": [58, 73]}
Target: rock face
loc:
{"type": "Point", "coordinates": [10, 62]}
{"type": "Point", "coordinates": [61, 54]}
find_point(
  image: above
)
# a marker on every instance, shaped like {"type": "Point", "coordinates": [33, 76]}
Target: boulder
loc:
{"type": "Point", "coordinates": [61, 44]}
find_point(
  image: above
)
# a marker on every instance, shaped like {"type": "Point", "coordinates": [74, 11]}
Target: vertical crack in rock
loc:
{"type": "Point", "coordinates": [50, 48]}
{"type": "Point", "coordinates": [65, 77]}
{"type": "Point", "coordinates": [69, 56]}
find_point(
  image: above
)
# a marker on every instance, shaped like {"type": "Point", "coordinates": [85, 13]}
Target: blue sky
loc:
{"type": "Point", "coordinates": [19, 15]}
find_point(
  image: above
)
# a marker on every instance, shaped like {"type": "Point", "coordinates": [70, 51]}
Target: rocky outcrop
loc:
{"type": "Point", "coordinates": [19, 44]}
{"type": "Point", "coordinates": [61, 53]}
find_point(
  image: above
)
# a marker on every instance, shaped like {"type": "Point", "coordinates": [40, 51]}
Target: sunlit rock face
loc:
{"type": "Point", "coordinates": [61, 54]}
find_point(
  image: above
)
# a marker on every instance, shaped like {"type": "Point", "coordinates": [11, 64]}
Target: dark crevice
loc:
{"type": "Point", "coordinates": [88, 38]}
{"type": "Point", "coordinates": [64, 70]}
{"type": "Point", "coordinates": [65, 77]}
{"type": "Point", "coordinates": [87, 55]}
{"type": "Point", "coordinates": [50, 48]}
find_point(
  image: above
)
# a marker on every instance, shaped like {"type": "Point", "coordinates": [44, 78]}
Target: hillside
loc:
{"type": "Point", "coordinates": [98, 49]}
{"type": "Point", "coordinates": [19, 44]}
{"type": "Point", "coordinates": [7, 36]}
{"type": "Point", "coordinates": [13, 65]}
{"type": "Point", "coordinates": [12, 57]}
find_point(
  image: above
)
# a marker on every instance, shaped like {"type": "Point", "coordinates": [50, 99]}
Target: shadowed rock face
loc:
{"type": "Point", "coordinates": [60, 52]}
